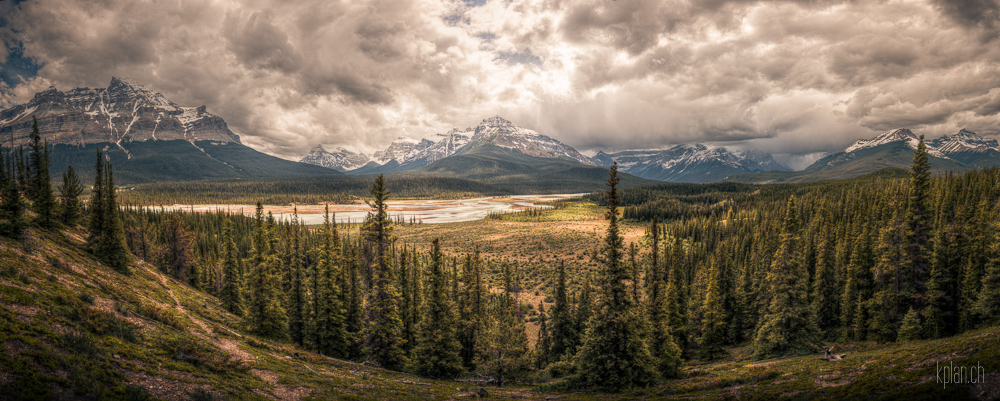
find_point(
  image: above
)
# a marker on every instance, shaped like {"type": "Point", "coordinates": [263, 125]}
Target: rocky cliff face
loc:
{"type": "Point", "coordinates": [125, 111]}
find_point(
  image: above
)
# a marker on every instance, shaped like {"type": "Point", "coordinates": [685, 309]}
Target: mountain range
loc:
{"type": "Point", "coordinates": [150, 138]}
{"type": "Point", "coordinates": [894, 148]}
{"type": "Point", "coordinates": [682, 163]}
{"type": "Point", "coordinates": [147, 137]}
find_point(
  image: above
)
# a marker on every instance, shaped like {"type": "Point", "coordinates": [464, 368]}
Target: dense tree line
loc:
{"type": "Point", "coordinates": [784, 268]}
{"type": "Point", "coordinates": [26, 190]}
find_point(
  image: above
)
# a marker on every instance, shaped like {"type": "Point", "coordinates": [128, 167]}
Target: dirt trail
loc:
{"type": "Point", "coordinates": [231, 347]}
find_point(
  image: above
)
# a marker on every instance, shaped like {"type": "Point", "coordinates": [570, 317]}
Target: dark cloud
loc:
{"type": "Point", "coordinates": [790, 77]}
{"type": "Point", "coordinates": [984, 14]}
{"type": "Point", "coordinates": [256, 42]}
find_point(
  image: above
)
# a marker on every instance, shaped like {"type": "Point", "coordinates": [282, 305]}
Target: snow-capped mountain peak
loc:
{"type": "Point", "coordinates": [401, 150]}
{"type": "Point", "coordinates": [500, 132]}
{"type": "Point", "coordinates": [340, 159]}
{"type": "Point", "coordinates": [690, 163]}
{"type": "Point", "coordinates": [965, 141]}
{"type": "Point", "coordinates": [124, 111]}
{"type": "Point", "coordinates": [891, 136]}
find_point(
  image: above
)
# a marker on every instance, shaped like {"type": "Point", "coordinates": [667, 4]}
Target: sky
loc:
{"type": "Point", "coordinates": [794, 78]}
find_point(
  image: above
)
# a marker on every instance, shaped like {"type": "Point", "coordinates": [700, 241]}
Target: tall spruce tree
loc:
{"type": "Point", "coordinates": [913, 279]}
{"type": "Point", "coordinates": [383, 332]}
{"type": "Point", "coordinates": [96, 208]}
{"type": "Point", "coordinates": [12, 220]}
{"type": "Point", "coordinates": [112, 248]}
{"type": "Point", "coordinates": [787, 326]}
{"type": "Point", "coordinates": [987, 305]}
{"type": "Point", "coordinates": [69, 195]}
{"type": "Point", "coordinates": [502, 351]}
{"type": "Point", "coordinates": [298, 294]}
{"type": "Point", "coordinates": [584, 310]}
{"type": "Point", "coordinates": [824, 297]}
{"type": "Point", "coordinates": [265, 315]}
{"type": "Point", "coordinates": [563, 326]}
{"type": "Point", "coordinates": [436, 351]}
{"type": "Point", "coordinates": [232, 281]}
{"type": "Point", "coordinates": [331, 327]}
{"type": "Point", "coordinates": [614, 355]}
{"type": "Point", "coordinates": [40, 187]}
{"type": "Point", "coordinates": [713, 332]}
{"type": "Point", "coordinates": [543, 345]}
{"type": "Point", "coordinates": [676, 294]}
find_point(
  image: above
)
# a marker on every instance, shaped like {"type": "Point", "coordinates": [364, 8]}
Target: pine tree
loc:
{"type": "Point", "coordinates": [676, 295]}
{"type": "Point", "coordinates": [913, 278]}
{"type": "Point", "coordinates": [178, 257]}
{"type": "Point", "coordinates": [406, 300]}
{"type": "Point", "coordinates": [968, 296]}
{"type": "Point", "coordinates": [96, 208]}
{"type": "Point", "coordinates": [563, 326]}
{"type": "Point", "coordinates": [232, 288]}
{"type": "Point", "coordinates": [502, 351]}
{"type": "Point", "coordinates": [584, 310]}
{"type": "Point", "coordinates": [69, 194]}
{"type": "Point", "coordinates": [265, 315]}
{"type": "Point", "coordinates": [787, 326]}
{"type": "Point", "coordinates": [383, 332]}
{"type": "Point", "coordinates": [40, 187]}
{"type": "Point", "coordinates": [112, 248]}
{"type": "Point", "coordinates": [857, 289]}
{"type": "Point", "coordinates": [888, 279]}
{"type": "Point", "coordinates": [824, 288]}
{"type": "Point", "coordinates": [298, 294]}
{"type": "Point", "coordinates": [12, 220]}
{"type": "Point", "coordinates": [663, 345]}
{"type": "Point", "coordinates": [614, 355]}
{"type": "Point", "coordinates": [714, 320]}
{"type": "Point", "coordinates": [910, 329]}
{"type": "Point", "coordinates": [543, 346]}
{"type": "Point", "coordinates": [331, 335]}
{"type": "Point", "coordinates": [436, 351]}
{"type": "Point", "coordinates": [987, 305]}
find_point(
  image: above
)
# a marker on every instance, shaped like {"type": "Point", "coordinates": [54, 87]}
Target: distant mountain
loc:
{"type": "Point", "coordinates": [340, 159]}
{"type": "Point", "coordinates": [893, 148]}
{"type": "Point", "coordinates": [405, 154]}
{"type": "Point", "coordinates": [125, 111]}
{"type": "Point", "coordinates": [147, 137]}
{"type": "Point", "coordinates": [968, 148]}
{"type": "Point", "coordinates": [510, 168]}
{"type": "Point", "coordinates": [690, 163]}
{"type": "Point", "coordinates": [502, 133]}
{"type": "Point", "coordinates": [401, 150]}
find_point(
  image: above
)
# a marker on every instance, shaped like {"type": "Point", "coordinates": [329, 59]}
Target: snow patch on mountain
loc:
{"type": "Point", "coordinates": [965, 141]}
{"type": "Point", "coordinates": [892, 136]}
{"type": "Point", "coordinates": [340, 159]}
{"type": "Point", "coordinates": [503, 133]}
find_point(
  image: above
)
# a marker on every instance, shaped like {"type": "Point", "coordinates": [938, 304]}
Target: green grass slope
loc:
{"type": "Point", "coordinates": [158, 161]}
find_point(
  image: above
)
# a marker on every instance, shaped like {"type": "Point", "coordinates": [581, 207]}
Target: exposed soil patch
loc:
{"type": "Point", "coordinates": [281, 391]}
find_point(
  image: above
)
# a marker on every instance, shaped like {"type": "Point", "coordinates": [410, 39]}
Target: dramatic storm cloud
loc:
{"type": "Point", "coordinates": [796, 78]}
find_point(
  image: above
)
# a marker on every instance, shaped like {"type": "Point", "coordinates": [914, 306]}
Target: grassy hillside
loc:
{"type": "Point", "coordinates": [161, 161]}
